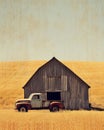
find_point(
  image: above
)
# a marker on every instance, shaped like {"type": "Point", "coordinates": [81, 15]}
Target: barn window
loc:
{"type": "Point", "coordinates": [53, 96]}
{"type": "Point", "coordinates": [64, 82]}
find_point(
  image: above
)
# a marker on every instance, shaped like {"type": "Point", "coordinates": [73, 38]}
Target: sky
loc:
{"type": "Point", "coordinates": [71, 30]}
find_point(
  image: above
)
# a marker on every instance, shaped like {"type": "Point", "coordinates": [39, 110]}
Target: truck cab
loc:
{"type": "Point", "coordinates": [36, 101]}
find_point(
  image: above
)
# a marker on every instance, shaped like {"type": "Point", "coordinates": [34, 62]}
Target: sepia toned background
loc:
{"type": "Point", "coordinates": [31, 33]}
{"type": "Point", "coordinates": [41, 29]}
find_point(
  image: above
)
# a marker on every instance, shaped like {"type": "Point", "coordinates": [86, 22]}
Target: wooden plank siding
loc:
{"type": "Point", "coordinates": [56, 77]}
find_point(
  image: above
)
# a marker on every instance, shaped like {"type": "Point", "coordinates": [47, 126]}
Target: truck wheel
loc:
{"type": "Point", "coordinates": [23, 109]}
{"type": "Point", "coordinates": [55, 109]}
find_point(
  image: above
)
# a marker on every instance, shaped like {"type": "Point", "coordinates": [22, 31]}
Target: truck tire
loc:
{"type": "Point", "coordinates": [23, 109]}
{"type": "Point", "coordinates": [54, 109]}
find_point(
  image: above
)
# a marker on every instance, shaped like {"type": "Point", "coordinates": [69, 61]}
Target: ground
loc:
{"type": "Point", "coordinates": [45, 120]}
{"type": "Point", "coordinates": [13, 76]}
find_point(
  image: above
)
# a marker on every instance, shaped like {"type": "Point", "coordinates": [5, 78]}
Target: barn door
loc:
{"type": "Point", "coordinates": [54, 83]}
{"type": "Point", "coordinates": [64, 82]}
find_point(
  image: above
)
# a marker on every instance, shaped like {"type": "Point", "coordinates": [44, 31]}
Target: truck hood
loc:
{"type": "Point", "coordinates": [23, 100]}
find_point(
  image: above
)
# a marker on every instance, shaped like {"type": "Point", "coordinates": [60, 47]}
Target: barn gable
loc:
{"type": "Point", "coordinates": [57, 81]}
{"type": "Point", "coordinates": [53, 62]}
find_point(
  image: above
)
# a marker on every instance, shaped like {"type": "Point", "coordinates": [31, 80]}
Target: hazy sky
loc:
{"type": "Point", "coordinates": [41, 29]}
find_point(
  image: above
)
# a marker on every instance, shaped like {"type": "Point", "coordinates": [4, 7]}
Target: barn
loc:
{"type": "Point", "coordinates": [57, 82]}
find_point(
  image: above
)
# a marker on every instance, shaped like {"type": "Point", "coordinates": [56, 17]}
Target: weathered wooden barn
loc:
{"type": "Point", "coordinates": [57, 82]}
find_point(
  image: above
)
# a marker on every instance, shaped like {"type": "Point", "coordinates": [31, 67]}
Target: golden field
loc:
{"type": "Point", "coordinates": [45, 120]}
{"type": "Point", "coordinates": [13, 76]}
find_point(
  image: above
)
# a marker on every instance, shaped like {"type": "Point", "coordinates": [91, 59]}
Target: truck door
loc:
{"type": "Point", "coordinates": [36, 101]}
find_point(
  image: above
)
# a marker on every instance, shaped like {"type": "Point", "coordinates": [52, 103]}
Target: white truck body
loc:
{"type": "Point", "coordinates": [36, 100]}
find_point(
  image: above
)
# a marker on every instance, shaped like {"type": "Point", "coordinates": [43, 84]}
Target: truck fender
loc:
{"type": "Point", "coordinates": [24, 106]}
{"type": "Point", "coordinates": [55, 106]}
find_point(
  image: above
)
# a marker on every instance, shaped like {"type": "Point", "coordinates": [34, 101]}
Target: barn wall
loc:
{"type": "Point", "coordinates": [77, 93]}
{"type": "Point", "coordinates": [34, 85]}
{"type": "Point", "coordinates": [55, 77]}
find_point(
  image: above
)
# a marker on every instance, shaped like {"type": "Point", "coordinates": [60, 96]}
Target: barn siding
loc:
{"type": "Point", "coordinates": [53, 77]}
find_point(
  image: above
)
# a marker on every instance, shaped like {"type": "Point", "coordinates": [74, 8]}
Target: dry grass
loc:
{"type": "Point", "coordinates": [13, 76]}
{"type": "Point", "coordinates": [44, 120]}
{"type": "Point", "coordinates": [93, 74]}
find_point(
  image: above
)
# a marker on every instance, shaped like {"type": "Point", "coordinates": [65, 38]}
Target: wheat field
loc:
{"type": "Point", "coordinates": [45, 120]}
{"type": "Point", "coordinates": [13, 76]}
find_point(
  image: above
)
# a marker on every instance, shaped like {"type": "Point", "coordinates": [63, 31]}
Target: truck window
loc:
{"type": "Point", "coordinates": [35, 97]}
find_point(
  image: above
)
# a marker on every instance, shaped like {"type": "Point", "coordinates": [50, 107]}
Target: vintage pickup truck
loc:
{"type": "Point", "coordinates": [35, 101]}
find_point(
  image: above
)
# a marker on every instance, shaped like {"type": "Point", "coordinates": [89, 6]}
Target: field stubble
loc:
{"type": "Point", "coordinates": [44, 120]}
{"type": "Point", "coordinates": [14, 75]}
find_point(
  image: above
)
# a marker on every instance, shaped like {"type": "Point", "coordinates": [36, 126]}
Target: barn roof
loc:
{"type": "Point", "coordinates": [68, 69]}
